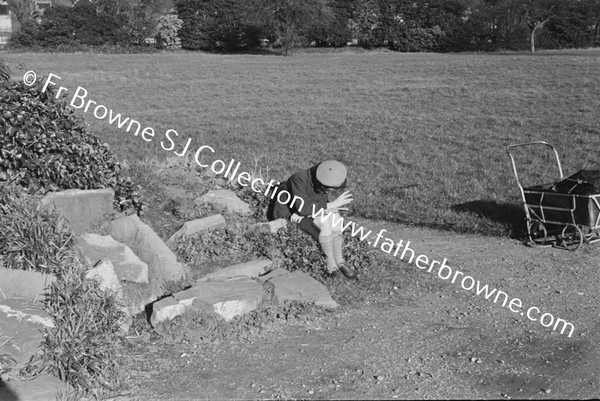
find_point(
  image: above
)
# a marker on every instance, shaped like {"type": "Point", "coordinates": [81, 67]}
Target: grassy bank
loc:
{"type": "Point", "coordinates": [424, 135]}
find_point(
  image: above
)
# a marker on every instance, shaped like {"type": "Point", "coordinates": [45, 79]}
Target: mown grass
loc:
{"type": "Point", "coordinates": [424, 135]}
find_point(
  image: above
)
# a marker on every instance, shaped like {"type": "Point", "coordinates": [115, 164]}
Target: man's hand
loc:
{"type": "Point", "coordinates": [340, 201]}
{"type": "Point", "coordinates": [296, 218]}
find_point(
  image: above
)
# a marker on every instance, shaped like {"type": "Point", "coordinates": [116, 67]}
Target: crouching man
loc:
{"type": "Point", "coordinates": [312, 186]}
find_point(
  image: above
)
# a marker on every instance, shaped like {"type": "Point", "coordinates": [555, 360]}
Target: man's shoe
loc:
{"type": "Point", "coordinates": [336, 274]}
{"type": "Point", "coordinates": [348, 272]}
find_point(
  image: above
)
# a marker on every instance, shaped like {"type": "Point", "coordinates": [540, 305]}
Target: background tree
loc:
{"type": "Point", "coordinates": [4, 72]}
{"type": "Point", "coordinates": [228, 25]}
{"type": "Point", "coordinates": [335, 31]}
{"type": "Point", "coordinates": [21, 8]}
{"type": "Point", "coordinates": [576, 23]}
{"type": "Point", "coordinates": [536, 14]}
{"type": "Point", "coordinates": [366, 23]}
{"type": "Point", "coordinates": [295, 22]}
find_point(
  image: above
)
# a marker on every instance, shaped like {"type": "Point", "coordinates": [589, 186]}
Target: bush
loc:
{"type": "Point", "coordinates": [80, 24]}
{"type": "Point", "coordinates": [218, 25]}
{"type": "Point", "coordinates": [420, 40]}
{"type": "Point", "coordinates": [81, 348]}
{"type": "Point", "coordinates": [290, 248]}
{"type": "Point", "coordinates": [167, 38]}
{"type": "Point", "coordinates": [31, 239]}
{"type": "Point", "coordinates": [47, 147]}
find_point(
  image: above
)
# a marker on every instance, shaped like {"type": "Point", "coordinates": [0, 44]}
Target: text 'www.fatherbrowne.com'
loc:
{"type": "Point", "coordinates": [444, 271]}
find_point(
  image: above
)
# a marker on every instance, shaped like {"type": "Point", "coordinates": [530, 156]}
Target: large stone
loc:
{"type": "Point", "coordinates": [270, 227]}
{"type": "Point", "coordinates": [80, 208]}
{"type": "Point", "coordinates": [272, 274]}
{"type": "Point", "coordinates": [162, 262]}
{"type": "Point", "coordinates": [24, 284]}
{"type": "Point", "coordinates": [227, 298]}
{"type": "Point", "coordinates": [21, 325]}
{"type": "Point", "coordinates": [194, 226]}
{"type": "Point", "coordinates": [299, 286]}
{"type": "Point", "coordinates": [226, 201]}
{"type": "Point", "coordinates": [104, 272]}
{"type": "Point", "coordinates": [43, 387]}
{"type": "Point", "coordinates": [94, 247]}
{"type": "Point", "coordinates": [250, 269]}
{"type": "Point", "coordinates": [166, 309]}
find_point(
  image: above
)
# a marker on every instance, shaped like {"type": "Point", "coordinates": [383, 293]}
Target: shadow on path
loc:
{"type": "Point", "coordinates": [509, 214]}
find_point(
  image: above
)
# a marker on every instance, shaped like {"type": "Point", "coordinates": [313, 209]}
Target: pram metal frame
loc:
{"type": "Point", "coordinates": [570, 233]}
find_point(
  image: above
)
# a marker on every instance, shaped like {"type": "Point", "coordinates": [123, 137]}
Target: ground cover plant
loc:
{"type": "Point", "coordinates": [424, 135]}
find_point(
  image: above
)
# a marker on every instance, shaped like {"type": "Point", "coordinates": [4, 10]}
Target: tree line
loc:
{"type": "Point", "coordinates": [401, 25]}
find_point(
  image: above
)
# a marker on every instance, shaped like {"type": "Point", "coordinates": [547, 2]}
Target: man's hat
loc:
{"type": "Point", "coordinates": [331, 173]}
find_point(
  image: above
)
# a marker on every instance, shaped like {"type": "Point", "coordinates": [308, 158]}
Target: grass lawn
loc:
{"type": "Point", "coordinates": [424, 135]}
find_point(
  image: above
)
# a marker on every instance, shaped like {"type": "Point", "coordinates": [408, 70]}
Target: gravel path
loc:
{"type": "Point", "coordinates": [428, 338]}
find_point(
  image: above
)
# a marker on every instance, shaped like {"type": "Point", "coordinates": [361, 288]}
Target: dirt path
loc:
{"type": "Point", "coordinates": [428, 338]}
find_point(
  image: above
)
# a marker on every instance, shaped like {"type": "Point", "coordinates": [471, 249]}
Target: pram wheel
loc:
{"type": "Point", "coordinates": [537, 233]}
{"type": "Point", "coordinates": [571, 237]}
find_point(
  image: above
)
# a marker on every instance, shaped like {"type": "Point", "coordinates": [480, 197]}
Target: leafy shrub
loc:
{"type": "Point", "coordinates": [46, 147]}
{"type": "Point", "coordinates": [420, 40]}
{"type": "Point", "coordinates": [290, 248]}
{"type": "Point", "coordinates": [218, 25]}
{"type": "Point", "coordinates": [81, 348]}
{"type": "Point", "coordinates": [31, 239]}
{"type": "Point", "coordinates": [258, 202]}
{"type": "Point", "coordinates": [167, 38]}
{"type": "Point", "coordinates": [79, 24]}
{"type": "Point", "coordinates": [295, 250]}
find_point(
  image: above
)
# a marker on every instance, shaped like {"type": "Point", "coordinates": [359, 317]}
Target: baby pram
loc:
{"type": "Point", "coordinates": [564, 214]}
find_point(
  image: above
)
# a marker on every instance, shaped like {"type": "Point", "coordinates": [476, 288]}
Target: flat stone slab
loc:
{"type": "Point", "coordinates": [272, 274]}
{"type": "Point", "coordinates": [21, 323]}
{"type": "Point", "coordinates": [250, 269]}
{"type": "Point", "coordinates": [299, 286]}
{"type": "Point", "coordinates": [29, 285]}
{"type": "Point", "coordinates": [147, 245]}
{"type": "Point", "coordinates": [94, 247]}
{"type": "Point", "coordinates": [194, 226]}
{"type": "Point", "coordinates": [270, 227]}
{"type": "Point", "coordinates": [43, 387]}
{"type": "Point", "coordinates": [80, 208]}
{"type": "Point", "coordinates": [227, 298]}
{"type": "Point", "coordinates": [226, 201]}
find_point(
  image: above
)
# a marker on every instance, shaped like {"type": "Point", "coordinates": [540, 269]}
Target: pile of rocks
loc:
{"type": "Point", "coordinates": [133, 262]}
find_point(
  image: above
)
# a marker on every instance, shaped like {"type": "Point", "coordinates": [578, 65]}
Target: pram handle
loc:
{"type": "Point", "coordinates": [514, 166]}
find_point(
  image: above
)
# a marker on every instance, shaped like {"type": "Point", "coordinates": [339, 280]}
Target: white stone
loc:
{"type": "Point", "coordinates": [127, 265]}
{"type": "Point", "coordinates": [104, 272]}
{"type": "Point", "coordinates": [166, 309]}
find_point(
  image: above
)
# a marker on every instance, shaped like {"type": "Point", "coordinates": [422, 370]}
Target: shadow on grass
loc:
{"type": "Point", "coordinates": [508, 214]}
